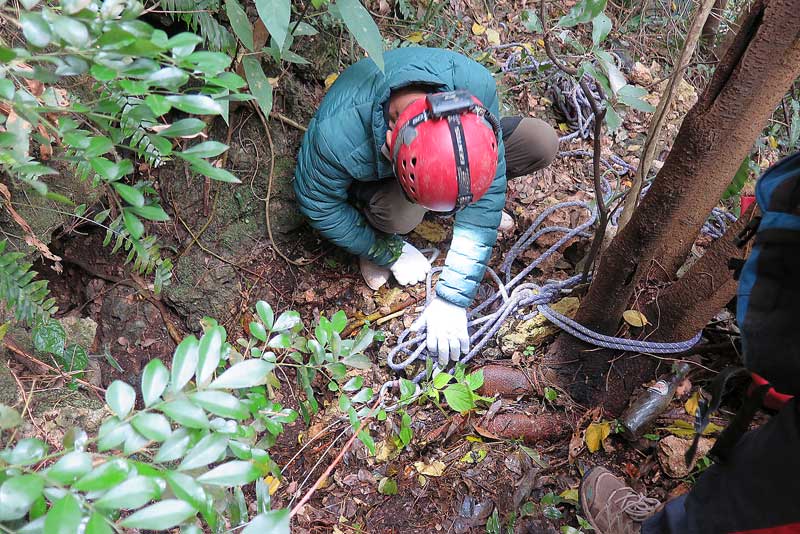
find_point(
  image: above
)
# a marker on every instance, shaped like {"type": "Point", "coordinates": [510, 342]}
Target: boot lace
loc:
{"type": "Point", "coordinates": [625, 509]}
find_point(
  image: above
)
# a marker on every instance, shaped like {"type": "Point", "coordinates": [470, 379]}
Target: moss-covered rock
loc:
{"type": "Point", "coordinates": [202, 284]}
{"type": "Point", "coordinates": [44, 215]}
{"type": "Point", "coordinates": [518, 335]}
{"type": "Point", "coordinates": [9, 394]}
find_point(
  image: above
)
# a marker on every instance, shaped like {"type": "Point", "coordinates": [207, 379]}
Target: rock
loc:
{"type": "Point", "coordinates": [80, 331]}
{"type": "Point", "coordinates": [204, 289]}
{"type": "Point", "coordinates": [59, 410]}
{"type": "Point", "coordinates": [640, 74]}
{"type": "Point", "coordinates": [671, 453]}
{"type": "Point", "coordinates": [516, 335]}
{"type": "Point", "coordinates": [203, 285]}
{"type": "Point", "coordinates": [122, 315]}
{"type": "Point", "coordinates": [38, 210]}
{"type": "Point", "coordinates": [471, 514]}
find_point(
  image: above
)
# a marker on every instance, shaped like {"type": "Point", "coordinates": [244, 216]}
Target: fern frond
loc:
{"type": "Point", "coordinates": [199, 15]}
{"type": "Point", "coordinates": [18, 290]}
{"type": "Point", "coordinates": [143, 253]}
{"type": "Point", "coordinates": [217, 37]}
{"type": "Point", "coordinates": [132, 128]}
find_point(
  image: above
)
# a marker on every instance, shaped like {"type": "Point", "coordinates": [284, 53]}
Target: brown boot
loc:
{"type": "Point", "coordinates": [611, 506]}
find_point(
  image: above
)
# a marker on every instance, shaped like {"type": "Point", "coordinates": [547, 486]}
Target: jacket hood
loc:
{"type": "Point", "coordinates": [402, 69]}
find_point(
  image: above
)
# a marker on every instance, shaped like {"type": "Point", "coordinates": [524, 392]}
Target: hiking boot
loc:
{"type": "Point", "coordinates": [374, 275]}
{"type": "Point", "coordinates": [611, 506]}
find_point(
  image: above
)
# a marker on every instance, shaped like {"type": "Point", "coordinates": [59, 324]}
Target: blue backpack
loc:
{"type": "Point", "coordinates": [767, 309]}
{"type": "Point", "coordinates": [768, 299]}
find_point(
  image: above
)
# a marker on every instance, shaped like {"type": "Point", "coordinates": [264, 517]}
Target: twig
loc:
{"type": "Point", "coordinates": [202, 229]}
{"type": "Point", "coordinates": [302, 261]}
{"type": "Point", "coordinates": [223, 162]}
{"type": "Point", "coordinates": [387, 318]}
{"type": "Point", "coordinates": [599, 115]}
{"type": "Point", "coordinates": [378, 316]}
{"type": "Point", "coordinates": [211, 252]}
{"type": "Point", "coordinates": [660, 116]}
{"type": "Point", "coordinates": [602, 209]}
{"type": "Point", "coordinates": [286, 120]}
{"type": "Point", "coordinates": [302, 16]}
{"type": "Point", "coordinates": [26, 398]}
{"type": "Point", "coordinates": [338, 459]}
{"type": "Point", "coordinates": [14, 348]}
{"type": "Point", "coordinates": [217, 256]}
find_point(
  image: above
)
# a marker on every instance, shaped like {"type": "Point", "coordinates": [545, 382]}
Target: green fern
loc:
{"type": "Point", "coordinates": [132, 127]}
{"type": "Point", "coordinates": [144, 252]}
{"type": "Point", "coordinates": [216, 36]}
{"type": "Point", "coordinates": [20, 293]}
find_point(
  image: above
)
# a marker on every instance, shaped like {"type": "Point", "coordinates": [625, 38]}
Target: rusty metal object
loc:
{"type": "Point", "coordinates": [506, 381]}
{"type": "Point", "coordinates": [529, 428]}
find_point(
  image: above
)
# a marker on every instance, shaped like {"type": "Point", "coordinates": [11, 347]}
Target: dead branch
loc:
{"type": "Point", "coordinates": [286, 120]}
{"type": "Point", "coordinates": [9, 343]}
{"type": "Point", "coordinates": [338, 459]}
{"type": "Point", "coordinates": [377, 316]}
{"type": "Point", "coordinates": [599, 115]}
{"type": "Point", "coordinates": [660, 116]}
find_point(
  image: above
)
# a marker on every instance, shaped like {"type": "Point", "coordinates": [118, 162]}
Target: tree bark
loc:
{"type": "Point", "coordinates": [713, 140]}
{"type": "Point", "coordinates": [687, 305]}
{"type": "Point", "coordinates": [683, 309]}
{"type": "Point", "coordinates": [715, 137]}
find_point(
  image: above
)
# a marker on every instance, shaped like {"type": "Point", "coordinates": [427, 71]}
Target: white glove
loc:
{"type": "Point", "coordinates": [446, 324]}
{"type": "Point", "coordinates": [411, 267]}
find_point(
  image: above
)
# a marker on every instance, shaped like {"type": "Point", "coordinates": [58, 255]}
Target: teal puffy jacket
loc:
{"type": "Point", "coordinates": [343, 143]}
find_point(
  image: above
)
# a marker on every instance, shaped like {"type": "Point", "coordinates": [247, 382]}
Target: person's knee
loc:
{"type": "Point", "coordinates": [533, 145]}
{"type": "Point", "coordinates": [394, 223]}
{"type": "Point", "coordinates": [542, 140]}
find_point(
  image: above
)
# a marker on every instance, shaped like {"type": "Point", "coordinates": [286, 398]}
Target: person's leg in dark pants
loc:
{"type": "Point", "coordinates": [388, 210]}
{"type": "Point", "coordinates": [531, 145]}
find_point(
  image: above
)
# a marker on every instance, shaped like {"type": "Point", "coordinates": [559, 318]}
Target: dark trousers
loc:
{"type": "Point", "coordinates": [530, 144]}
{"type": "Point", "coordinates": [755, 491]}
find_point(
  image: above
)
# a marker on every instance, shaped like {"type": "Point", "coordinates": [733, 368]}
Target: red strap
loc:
{"type": "Point", "coordinates": [745, 201]}
{"type": "Point", "coordinates": [791, 528]}
{"type": "Point", "coordinates": [773, 401]}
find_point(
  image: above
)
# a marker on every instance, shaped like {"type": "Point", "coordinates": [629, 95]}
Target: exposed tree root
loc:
{"type": "Point", "coordinates": [529, 428]}
{"type": "Point", "coordinates": [507, 381]}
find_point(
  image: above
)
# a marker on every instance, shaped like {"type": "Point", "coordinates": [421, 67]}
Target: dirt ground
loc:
{"type": "Point", "coordinates": [225, 263]}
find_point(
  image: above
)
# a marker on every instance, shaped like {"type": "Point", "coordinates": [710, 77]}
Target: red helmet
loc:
{"type": "Point", "coordinates": [444, 150]}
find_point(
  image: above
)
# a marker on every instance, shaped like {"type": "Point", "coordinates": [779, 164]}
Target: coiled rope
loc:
{"type": "Point", "coordinates": [515, 297]}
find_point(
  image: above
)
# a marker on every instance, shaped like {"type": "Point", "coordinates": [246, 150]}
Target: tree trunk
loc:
{"type": "Point", "coordinates": [711, 27]}
{"type": "Point", "coordinates": [713, 140]}
{"type": "Point", "coordinates": [683, 309]}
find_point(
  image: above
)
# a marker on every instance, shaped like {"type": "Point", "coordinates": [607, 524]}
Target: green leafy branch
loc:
{"type": "Point", "coordinates": [140, 74]}
{"type": "Point", "coordinates": [593, 61]}
{"type": "Point", "coordinates": [203, 432]}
